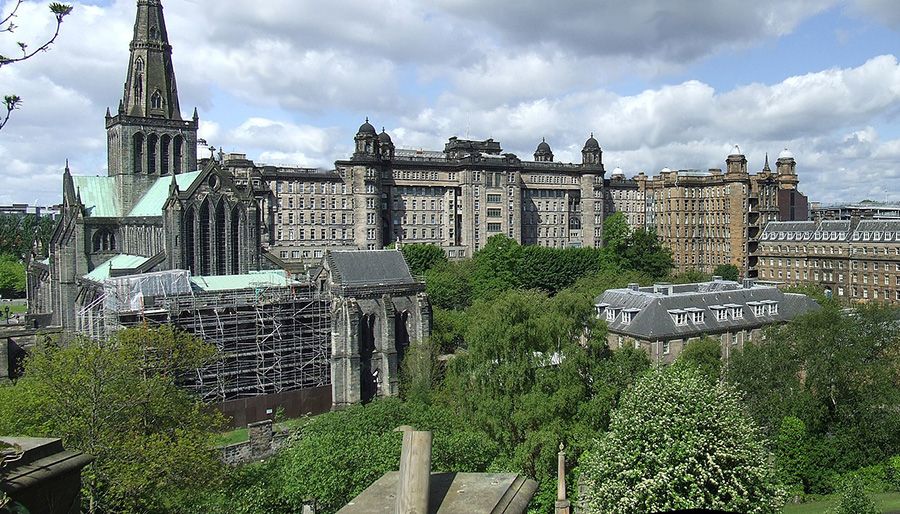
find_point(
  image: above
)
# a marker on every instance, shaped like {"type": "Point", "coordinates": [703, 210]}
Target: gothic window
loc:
{"type": "Point", "coordinates": [164, 144]}
{"type": "Point", "coordinates": [178, 153]}
{"type": "Point", "coordinates": [205, 246]}
{"type": "Point", "coordinates": [138, 152]}
{"type": "Point", "coordinates": [156, 101]}
{"type": "Point", "coordinates": [237, 216]}
{"type": "Point", "coordinates": [189, 239]}
{"type": "Point", "coordinates": [152, 141]}
{"type": "Point", "coordinates": [104, 240]}
{"type": "Point", "coordinates": [139, 64]}
{"type": "Point", "coordinates": [220, 235]}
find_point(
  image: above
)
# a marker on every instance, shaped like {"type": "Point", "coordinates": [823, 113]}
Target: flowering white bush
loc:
{"type": "Point", "coordinates": [678, 442]}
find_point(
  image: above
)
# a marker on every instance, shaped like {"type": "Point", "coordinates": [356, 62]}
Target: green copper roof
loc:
{"type": "Point", "coordinates": [248, 281]}
{"type": "Point", "coordinates": [121, 261]}
{"type": "Point", "coordinates": [152, 203]}
{"type": "Point", "coordinates": [99, 195]}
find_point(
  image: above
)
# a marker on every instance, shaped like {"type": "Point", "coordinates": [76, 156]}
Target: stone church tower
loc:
{"type": "Point", "coordinates": [147, 137]}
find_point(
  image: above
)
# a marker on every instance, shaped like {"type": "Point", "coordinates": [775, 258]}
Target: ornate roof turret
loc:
{"type": "Point", "coordinates": [384, 137]}
{"type": "Point", "coordinates": [766, 168]}
{"type": "Point", "coordinates": [591, 154]}
{"type": "Point", "coordinates": [543, 152]}
{"type": "Point", "coordinates": [591, 144]}
{"type": "Point", "coordinates": [366, 128]}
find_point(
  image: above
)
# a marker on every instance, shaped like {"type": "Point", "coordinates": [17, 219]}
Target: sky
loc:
{"type": "Point", "coordinates": [659, 83]}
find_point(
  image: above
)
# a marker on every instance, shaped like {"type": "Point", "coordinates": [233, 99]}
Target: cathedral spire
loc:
{"type": "Point", "coordinates": [150, 90]}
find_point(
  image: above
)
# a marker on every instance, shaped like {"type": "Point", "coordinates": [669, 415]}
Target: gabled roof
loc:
{"type": "Point", "coordinates": [151, 204]}
{"type": "Point", "coordinates": [654, 321]}
{"type": "Point", "coordinates": [368, 267]}
{"type": "Point", "coordinates": [117, 262]}
{"type": "Point", "coordinates": [99, 195]}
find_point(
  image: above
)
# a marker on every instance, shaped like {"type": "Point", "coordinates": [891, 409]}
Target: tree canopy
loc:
{"type": "Point", "coordinates": [422, 257]}
{"type": "Point", "coordinates": [676, 442]}
{"type": "Point", "coordinates": [118, 401]}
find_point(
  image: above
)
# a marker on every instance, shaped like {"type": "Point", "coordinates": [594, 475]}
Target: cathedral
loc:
{"type": "Point", "coordinates": [157, 208]}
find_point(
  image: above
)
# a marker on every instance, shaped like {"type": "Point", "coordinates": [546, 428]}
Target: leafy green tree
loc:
{"type": "Point", "coordinates": [645, 253]}
{"type": "Point", "coordinates": [422, 257]}
{"type": "Point", "coordinates": [497, 267]}
{"type": "Point", "coordinates": [537, 372]}
{"type": "Point", "coordinates": [12, 276]}
{"type": "Point", "coordinates": [18, 233]}
{"type": "Point", "coordinates": [854, 500]}
{"type": "Point", "coordinates": [449, 284]}
{"type": "Point", "coordinates": [690, 276]}
{"type": "Point", "coordinates": [705, 356]}
{"type": "Point", "coordinates": [335, 456]}
{"type": "Point", "coordinates": [675, 442]}
{"type": "Point", "coordinates": [118, 401]}
{"type": "Point", "coordinates": [727, 272]}
{"type": "Point", "coordinates": [793, 454]}
{"type": "Point", "coordinates": [837, 372]}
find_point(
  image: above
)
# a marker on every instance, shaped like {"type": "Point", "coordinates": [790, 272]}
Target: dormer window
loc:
{"type": "Point", "coordinates": [759, 308]}
{"type": "Point", "coordinates": [611, 314]}
{"type": "Point", "coordinates": [628, 315]}
{"type": "Point", "coordinates": [736, 311]}
{"type": "Point", "coordinates": [721, 312]}
{"type": "Point", "coordinates": [600, 309]}
{"type": "Point", "coordinates": [679, 317]}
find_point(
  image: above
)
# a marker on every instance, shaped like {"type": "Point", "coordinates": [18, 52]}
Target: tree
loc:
{"type": "Point", "coordinates": [854, 499]}
{"type": "Point", "coordinates": [690, 276]}
{"type": "Point", "coordinates": [118, 401]}
{"type": "Point", "coordinates": [12, 275]}
{"type": "Point", "coordinates": [727, 272]}
{"type": "Point", "coordinates": [675, 442]}
{"type": "Point", "coordinates": [704, 356]}
{"type": "Point", "coordinates": [645, 253]}
{"type": "Point", "coordinates": [335, 456]}
{"type": "Point", "coordinates": [60, 11]}
{"type": "Point", "coordinates": [497, 267]}
{"type": "Point", "coordinates": [422, 257]}
{"type": "Point", "coordinates": [449, 285]}
{"type": "Point", "coordinates": [536, 373]}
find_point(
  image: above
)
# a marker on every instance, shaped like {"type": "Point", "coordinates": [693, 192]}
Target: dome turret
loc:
{"type": "Point", "coordinates": [543, 152]}
{"type": "Point", "coordinates": [366, 128]}
{"type": "Point", "coordinates": [591, 155]}
{"type": "Point", "coordinates": [591, 144]}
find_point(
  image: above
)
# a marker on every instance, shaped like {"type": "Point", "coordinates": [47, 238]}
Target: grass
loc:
{"type": "Point", "coordinates": [240, 435]}
{"type": "Point", "coordinates": [886, 503]}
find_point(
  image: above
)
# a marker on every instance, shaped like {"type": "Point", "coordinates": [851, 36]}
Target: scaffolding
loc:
{"type": "Point", "coordinates": [271, 338]}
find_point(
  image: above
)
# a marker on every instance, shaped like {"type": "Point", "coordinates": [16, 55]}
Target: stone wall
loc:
{"type": "Point", "coordinates": [263, 442]}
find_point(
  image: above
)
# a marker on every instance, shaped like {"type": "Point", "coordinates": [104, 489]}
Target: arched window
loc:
{"type": "Point", "coordinates": [138, 152]}
{"type": "Point", "coordinates": [189, 220]}
{"type": "Point", "coordinates": [104, 240]}
{"type": "Point", "coordinates": [164, 145]}
{"type": "Point", "coordinates": [151, 153]}
{"type": "Point", "coordinates": [220, 254]}
{"type": "Point", "coordinates": [204, 248]}
{"type": "Point", "coordinates": [179, 154]}
{"type": "Point", "coordinates": [237, 219]}
{"type": "Point", "coordinates": [156, 101]}
{"type": "Point", "coordinates": [139, 64]}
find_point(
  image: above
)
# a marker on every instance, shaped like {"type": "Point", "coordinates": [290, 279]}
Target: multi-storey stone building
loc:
{"type": "Point", "coordinates": [854, 260]}
{"type": "Point", "coordinates": [664, 318]}
{"type": "Point", "coordinates": [458, 197]}
{"type": "Point", "coordinates": [455, 199]}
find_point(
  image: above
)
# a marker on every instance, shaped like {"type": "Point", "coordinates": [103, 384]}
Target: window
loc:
{"type": "Point", "coordinates": [679, 317]}
{"type": "Point", "coordinates": [493, 198]}
{"type": "Point", "coordinates": [493, 227]}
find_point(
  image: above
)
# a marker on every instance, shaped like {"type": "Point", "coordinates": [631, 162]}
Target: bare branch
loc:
{"type": "Point", "coordinates": [60, 11]}
{"type": "Point", "coordinates": [6, 21]}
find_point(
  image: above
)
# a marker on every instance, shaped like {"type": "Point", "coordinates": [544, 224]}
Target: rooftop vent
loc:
{"type": "Point", "coordinates": [663, 288]}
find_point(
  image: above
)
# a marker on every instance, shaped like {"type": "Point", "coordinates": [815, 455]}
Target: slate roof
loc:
{"type": "Point", "coordinates": [652, 319]}
{"type": "Point", "coordinates": [152, 202]}
{"type": "Point", "coordinates": [99, 195]}
{"type": "Point", "coordinates": [368, 267]}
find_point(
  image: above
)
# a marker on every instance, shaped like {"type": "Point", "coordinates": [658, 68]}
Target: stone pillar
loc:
{"type": "Point", "coordinates": [260, 435]}
{"type": "Point", "coordinates": [562, 504]}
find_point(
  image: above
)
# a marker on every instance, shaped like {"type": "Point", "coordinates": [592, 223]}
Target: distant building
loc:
{"type": "Point", "coordinates": [662, 319]}
{"type": "Point", "coordinates": [21, 209]}
{"type": "Point", "coordinates": [855, 260]}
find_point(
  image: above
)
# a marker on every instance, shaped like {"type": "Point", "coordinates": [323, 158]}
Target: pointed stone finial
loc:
{"type": "Point", "coordinates": [196, 116]}
{"type": "Point", "coordinates": [108, 115]}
